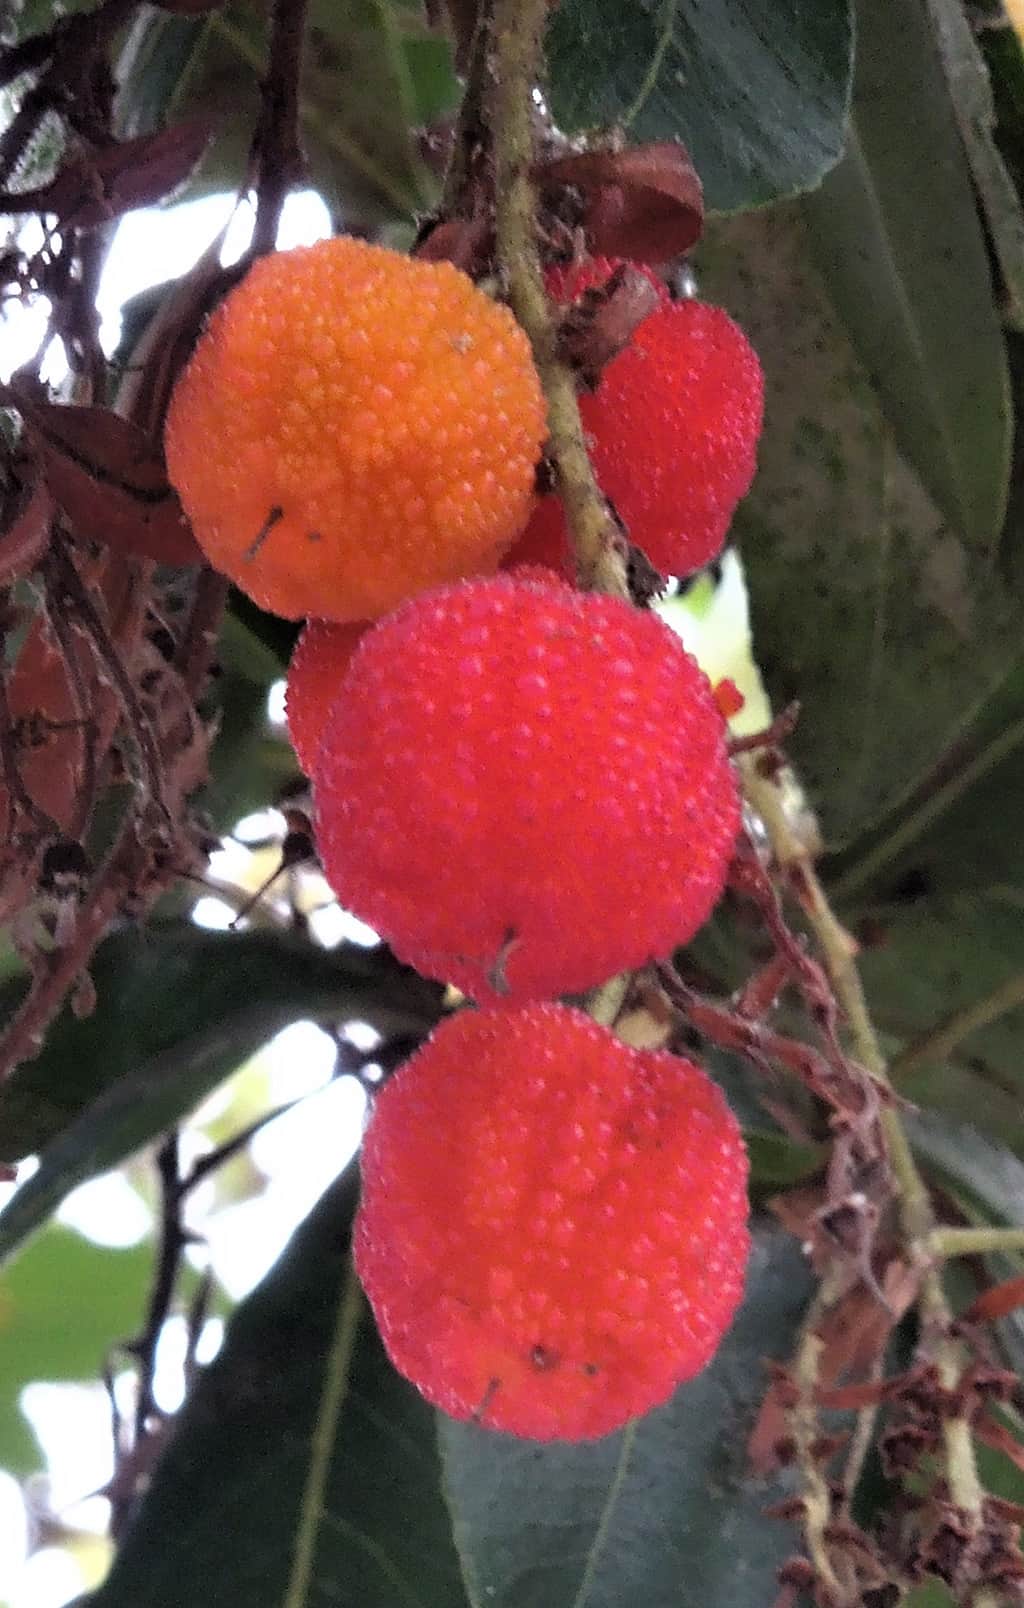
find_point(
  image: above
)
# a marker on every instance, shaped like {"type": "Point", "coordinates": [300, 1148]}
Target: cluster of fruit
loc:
{"type": "Point", "coordinates": [523, 787]}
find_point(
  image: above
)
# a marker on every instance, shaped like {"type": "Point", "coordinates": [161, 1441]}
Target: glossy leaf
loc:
{"type": "Point", "coordinates": [302, 1447]}
{"type": "Point", "coordinates": [663, 1513]}
{"type": "Point", "coordinates": [865, 606]}
{"type": "Point", "coordinates": [178, 1010]}
{"type": "Point", "coordinates": [896, 234]}
{"type": "Point", "coordinates": [757, 90]}
{"type": "Point", "coordinates": [62, 1306]}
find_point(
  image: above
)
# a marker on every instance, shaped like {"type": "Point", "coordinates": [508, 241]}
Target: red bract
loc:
{"type": "Point", "coordinates": [553, 1231]}
{"type": "Point", "coordinates": [672, 431]}
{"type": "Point", "coordinates": [524, 788]}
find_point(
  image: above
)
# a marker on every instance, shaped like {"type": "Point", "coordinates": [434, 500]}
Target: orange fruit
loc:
{"type": "Point", "coordinates": [355, 426]}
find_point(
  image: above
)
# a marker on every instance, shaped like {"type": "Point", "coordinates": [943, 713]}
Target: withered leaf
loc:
{"type": "Point", "coordinates": [110, 481]}
{"type": "Point", "coordinates": [92, 188]}
{"type": "Point", "coordinates": [23, 540]}
{"type": "Point", "coordinates": [644, 203]}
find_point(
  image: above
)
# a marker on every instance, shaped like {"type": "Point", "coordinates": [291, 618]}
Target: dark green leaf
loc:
{"type": "Point", "coordinates": [35, 16]}
{"type": "Point", "coordinates": [757, 90]}
{"type": "Point", "coordinates": [435, 88]}
{"type": "Point", "coordinates": [249, 763]}
{"type": "Point", "coordinates": [776, 1162]}
{"type": "Point", "coordinates": [62, 1306]}
{"type": "Point", "coordinates": [304, 1471]}
{"type": "Point", "coordinates": [663, 1513]}
{"type": "Point", "coordinates": [178, 1010]}
{"type": "Point", "coordinates": [933, 1594]}
{"type": "Point", "coordinates": [950, 837]}
{"type": "Point", "coordinates": [937, 957]}
{"type": "Point", "coordinates": [865, 605]}
{"type": "Point", "coordinates": [362, 95]}
{"type": "Point", "coordinates": [897, 236]}
{"type": "Point", "coordinates": [973, 102]}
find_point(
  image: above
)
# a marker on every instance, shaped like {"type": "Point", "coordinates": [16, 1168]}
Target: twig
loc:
{"type": "Point", "coordinates": [597, 539]}
{"type": "Point", "coordinates": [19, 794]}
{"type": "Point", "coordinates": [276, 146]}
{"type": "Point", "coordinates": [839, 949]}
{"type": "Point", "coordinates": [65, 581]}
{"type": "Point", "coordinates": [205, 1165]}
{"type": "Point", "coordinates": [173, 1240]}
{"type": "Point", "coordinates": [80, 700]}
{"type": "Point", "coordinates": [944, 1037]}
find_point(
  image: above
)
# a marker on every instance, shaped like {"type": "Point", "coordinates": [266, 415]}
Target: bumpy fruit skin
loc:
{"type": "Point", "coordinates": [355, 426]}
{"type": "Point", "coordinates": [672, 429]}
{"type": "Point", "coordinates": [553, 1229]}
{"type": "Point", "coordinates": [317, 669]}
{"type": "Point", "coordinates": [525, 788]}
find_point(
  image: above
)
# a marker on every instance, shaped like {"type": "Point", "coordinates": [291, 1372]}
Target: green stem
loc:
{"type": "Point", "coordinates": [517, 31]}
{"type": "Point", "coordinates": [945, 1242]}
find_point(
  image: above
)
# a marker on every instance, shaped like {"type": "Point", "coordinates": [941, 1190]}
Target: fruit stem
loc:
{"type": "Point", "coordinates": [918, 1220]}
{"type": "Point", "coordinates": [599, 545]}
{"type": "Point", "coordinates": [975, 1241]}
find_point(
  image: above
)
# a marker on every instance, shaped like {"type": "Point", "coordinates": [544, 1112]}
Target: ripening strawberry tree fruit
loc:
{"type": "Point", "coordinates": [511, 971]}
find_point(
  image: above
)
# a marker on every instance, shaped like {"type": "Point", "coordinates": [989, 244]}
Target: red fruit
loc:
{"type": "Point", "coordinates": [673, 430]}
{"type": "Point", "coordinates": [525, 788]}
{"type": "Point", "coordinates": [317, 669]}
{"type": "Point", "coordinates": [553, 1229]}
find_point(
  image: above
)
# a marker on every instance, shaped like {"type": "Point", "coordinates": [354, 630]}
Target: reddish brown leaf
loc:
{"type": "Point", "coordinates": [854, 1334]}
{"type": "Point", "coordinates": [997, 1302]}
{"type": "Point", "coordinates": [91, 188]}
{"type": "Point", "coordinates": [991, 1433]}
{"type": "Point", "coordinates": [467, 242]}
{"type": "Point", "coordinates": [23, 543]}
{"type": "Point", "coordinates": [644, 203]}
{"type": "Point", "coordinates": [110, 481]}
{"type": "Point", "coordinates": [602, 322]}
{"type": "Point", "coordinates": [52, 754]}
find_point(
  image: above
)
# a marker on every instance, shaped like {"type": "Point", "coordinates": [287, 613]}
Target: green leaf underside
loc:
{"type": "Point", "coordinates": [62, 1306]}
{"type": "Point", "coordinates": [866, 605]}
{"type": "Point", "coordinates": [757, 90]}
{"type": "Point", "coordinates": [896, 234]}
{"type": "Point", "coordinates": [303, 1472]}
{"type": "Point", "coordinates": [178, 1010]}
{"type": "Point", "coordinates": [662, 1513]}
